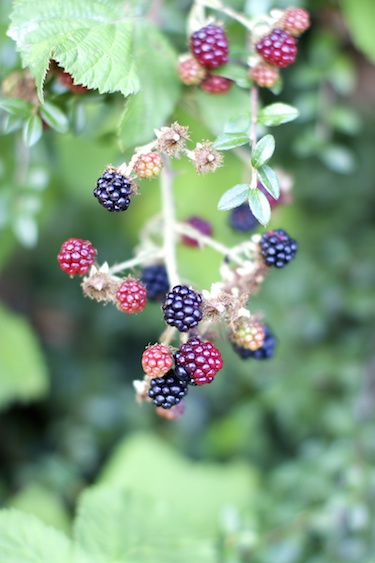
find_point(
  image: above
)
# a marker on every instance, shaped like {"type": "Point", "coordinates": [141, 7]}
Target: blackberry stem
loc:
{"type": "Point", "coordinates": [136, 261]}
{"type": "Point", "coordinates": [169, 222]}
{"type": "Point", "coordinates": [217, 5]}
{"type": "Point", "coordinates": [253, 131]}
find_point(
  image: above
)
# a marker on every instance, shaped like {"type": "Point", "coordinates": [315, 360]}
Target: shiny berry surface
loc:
{"type": "Point", "coordinates": [201, 360]}
{"type": "Point", "coordinates": [76, 256]}
{"type": "Point", "coordinates": [182, 308]}
{"type": "Point", "coordinates": [278, 48]}
{"type": "Point", "coordinates": [157, 360]}
{"type": "Point", "coordinates": [167, 391]}
{"type": "Point", "coordinates": [214, 84]}
{"type": "Point", "coordinates": [113, 191]}
{"type": "Point", "coordinates": [131, 296]}
{"type": "Point", "coordinates": [295, 21]}
{"type": "Point", "coordinates": [277, 248]}
{"type": "Point", "coordinates": [209, 46]}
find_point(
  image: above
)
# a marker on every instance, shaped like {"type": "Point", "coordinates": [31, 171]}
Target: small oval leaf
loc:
{"type": "Point", "coordinates": [54, 117]}
{"type": "Point", "coordinates": [263, 151]}
{"type": "Point", "coordinates": [276, 114]}
{"type": "Point", "coordinates": [16, 106]}
{"type": "Point", "coordinates": [260, 206]}
{"type": "Point", "coordinates": [228, 141]}
{"type": "Point", "coordinates": [233, 197]}
{"type": "Point", "coordinates": [32, 130]}
{"type": "Point", "coordinates": [269, 180]}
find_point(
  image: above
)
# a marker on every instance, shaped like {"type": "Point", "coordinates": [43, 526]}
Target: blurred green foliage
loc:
{"type": "Point", "coordinates": [277, 457]}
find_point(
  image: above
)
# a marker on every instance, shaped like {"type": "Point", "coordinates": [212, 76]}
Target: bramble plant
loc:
{"type": "Point", "coordinates": [60, 56]}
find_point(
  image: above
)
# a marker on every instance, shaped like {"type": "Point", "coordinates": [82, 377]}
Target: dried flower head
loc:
{"type": "Point", "coordinates": [206, 158]}
{"type": "Point", "coordinates": [172, 139]}
{"type": "Point", "coordinates": [100, 286]}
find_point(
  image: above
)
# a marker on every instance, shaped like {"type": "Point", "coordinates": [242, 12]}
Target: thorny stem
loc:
{"type": "Point", "coordinates": [169, 234]}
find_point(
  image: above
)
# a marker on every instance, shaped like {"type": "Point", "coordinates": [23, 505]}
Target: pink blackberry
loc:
{"type": "Point", "coordinates": [131, 296]}
{"type": "Point", "coordinates": [113, 190]}
{"type": "Point", "coordinates": [167, 391]}
{"type": "Point", "coordinates": [203, 226]}
{"type": "Point", "coordinates": [189, 70]}
{"type": "Point", "coordinates": [148, 165]}
{"type": "Point", "coordinates": [182, 308]}
{"type": "Point", "coordinates": [200, 360]}
{"type": "Point", "coordinates": [76, 256]}
{"type": "Point", "coordinates": [278, 48]}
{"type": "Point", "coordinates": [277, 248]}
{"type": "Point", "coordinates": [265, 75]}
{"type": "Point", "coordinates": [214, 84]}
{"type": "Point", "coordinates": [209, 46]}
{"type": "Point", "coordinates": [295, 21]}
{"type": "Point", "coordinates": [157, 360]}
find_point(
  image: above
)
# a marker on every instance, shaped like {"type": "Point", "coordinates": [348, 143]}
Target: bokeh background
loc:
{"type": "Point", "coordinates": [282, 451]}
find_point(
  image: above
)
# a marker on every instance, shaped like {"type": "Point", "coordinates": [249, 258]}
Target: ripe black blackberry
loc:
{"type": "Point", "coordinates": [265, 352]}
{"type": "Point", "coordinates": [182, 308]}
{"type": "Point", "coordinates": [277, 248]}
{"type": "Point", "coordinates": [182, 374]}
{"type": "Point", "coordinates": [167, 391]}
{"type": "Point", "coordinates": [113, 190]}
{"type": "Point", "coordinates": [242, 220]}
{"type": "Point", "coordinates": [155, 279]}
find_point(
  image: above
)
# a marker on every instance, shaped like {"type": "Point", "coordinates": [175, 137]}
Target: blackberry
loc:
{"type": "Point", "coordinates": [209, 46]}
{"type": "Point", "coordinates": [241, 219]}
{"type": "Point", "coordinates": [189, 70]}
{"type": "Point", "coordinates": [265, 352]}
{"type": "Point", "coordinates": [265, 75]}
{"type": "Point", "coordinates": [167, 391]}
{"type": "Point", "coordinates": [113, 190]}
{"type": "Point", "coordinates": [131, 296]}
{"type": "Point", "coordinates": [198, 361]}
{"type": "Point", "coordinates": [76, 256]}
{"type": "Point", "coordinates": [295, 21]}
{"type": "Point", "coordinates": [278, 48]}
{"type": "Point", "coordinates": [155, 279]}
{"type": "Point", "coordinates": [182, 308]}
{"type": "Point", "coordinates": [215, 84]}
{"type": "Point", "coordinates": [277, 248]}
{"type": "Point", "coordinates": [203, 226]}
{"type": "Point", "coordinates": [157, 360]}
{"type": "Point", "coordinates": [148, 165]}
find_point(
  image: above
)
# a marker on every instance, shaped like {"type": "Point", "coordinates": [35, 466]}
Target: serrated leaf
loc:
{"type": "Point", "coordinates": [263, 151]}
{"type": "Point", "coordinates": [260, 206]}
{"type": "Point", "coordinates": [233, 197]}
{"type": "Point", "coordinates": [32, 130]}
{"type": "Point", "coordinates": [151, 107]}
{"type": "Point", "coordinates": [237, 73]}
{"type": "Point", "coordinates": [91, 40]}
{"type": "Point", "coordinates": [269, 180]}
{"type": "Point", "coordinates": [54, 117]}
{"type": "Point", "coordinates": [276, 114]}
{"type": "Point", "coordinates": [227, 141]}
{"type": "Point", "coordinates": [23, 376]}
{"type": "Point", "coordinates": [16, 106]}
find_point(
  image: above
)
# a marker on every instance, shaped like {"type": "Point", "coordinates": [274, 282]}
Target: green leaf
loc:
{"type": "Point", "coordinates": [23, 375]}
{"type": "Point", "coordinates": [16, 106]}
{"type": "Point", "coordinates": [91, 40]}
{"type": "Point", "coordinates": [216, 111]}
{"type": "Point", "coordinates": [54, 117]}
{"type": "Point", "coordinates": [260, 206]}
{"type": "Point", "coordinates": [233, 197]}
{"type": "Point", "coordinates": [276, 114]}
{"type": "Point", "coordinates": [238, 124]}
{"type": "Point", "coordinates": [32, 130]}
{"type": "Point", "coordinates": [263, 151]}
{"type": "Point", "coordinates": [360, 17]}
{"type": "Point", "coordinates": [12, 123]}
{"type": "Point", "coordinates": [269, 180]}
{"type": "Point", "coordinates": [344, 119]}
{"type": "Point", "coordinates": [338, 158]}
{"type": "Point", "coordinates": [228, 141]}
{"type": "Point", "coordinates": [150, 108]}
{"type": "Point", "coordinates": [237, 73]}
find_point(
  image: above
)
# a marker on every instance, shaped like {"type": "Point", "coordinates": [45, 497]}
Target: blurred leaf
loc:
{"type": "Point", "coordinates": [154, 104]}
{"type": "Point", "coordinates": [276, 114]}
{"type": "Point", "coordinates": [269, 180]}
{"type": "Point", "coordinates": [344, 119]}
{"type": "Point", "coordinates": [237, 73]}
{"type": "Point", "coordinates": [360, 16]}
{"type": "Point", "coordinates": [338, 158]}
{"type": "Point", "coordinates": [343, 75]}
{"type": "Point", "coordinates": [24, 376]}
{"type": "Point", "coordinates": [216, 111]}
{"type": "Point", "coordinates": [32, 130]}
{"type": "Point", "coordinates": [227, 141]}
{"type": "Point", "coordinates": [54, 117]}
{"type": "Point", "coordinates": [25, 228]}
{"type": "Point", "coordinates": [260, 206]}
{"type": "Point", "coordinates": [238, 124]}
{"type": "Point", "coordinates": [16, 106]}
{"type": "Point", "coordinates": [263, 151]}
{"type": "Point", "coordinates": [233, 197]}
{"type": "Point", "coordinates": [12, 123]}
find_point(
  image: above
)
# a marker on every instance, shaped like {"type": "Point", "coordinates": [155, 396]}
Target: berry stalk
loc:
{"type": "Point", "coordinates": [169, 222]}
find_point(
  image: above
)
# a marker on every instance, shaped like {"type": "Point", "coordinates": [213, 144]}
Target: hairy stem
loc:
{"type": "Point", "coordinates": [169, 232]}
{"type": "Point", "coordinates": [136, 261]}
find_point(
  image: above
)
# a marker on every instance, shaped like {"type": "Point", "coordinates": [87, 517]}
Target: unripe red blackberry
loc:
{"type": "Point", "coordinates": [182, 308]}
{"type": "Point", "coordinates": [200, 360]}
{"type": "Point", "coordinates": [76, 256]}
{"type": "Point", "coordinates": [148, 165]}
{"type": "Point", "coordinates": [278, 48]}
{"type": "Point", "coordinates": [295, 21]}
{"type": "Point", "coordinates": [167, 391]}
{"type": "Point", "coordinates": [189, 70]}
{"type": "Point", "coordinates": [203, 226]}
{"type": "Point", "coordinates": [249, 333]}
{"type": "Point", "coordinates": [214, 84]}
{"type": "Point", "coordinates": [113, 190]}
{"type": "Point", "coordinates": [131, 296]}
{"type": "Point", "coordinates": [277, 248]}
{"type": "Point", "coordinates": [157, 360]}
{"type": "Point", "coordinates": [265, 75]}
{"type": "Point", "coordinates": [265, 352]}
{"type": "Point", "coordinates": [209, 46]}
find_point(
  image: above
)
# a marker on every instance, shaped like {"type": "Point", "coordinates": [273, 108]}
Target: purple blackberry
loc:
{"type": "Point", "coordinates": [277, 248]}
{"type": "Point", "coordinates": [265, 352]}
{"type": "Point", "coordinates": [155, 279]}
{"type": "Point", "coordinates": [182, 374]}
{"type": "Point", "coordinates": [113, 191]}
{"type": "Point", "coordinates": [241, 219]}
{"type": "Point", "coordinates": [182, 308]}
{"type": "Point", "coordinates": [209, 46]}
{"type": "Point", "coordinates": [167, 391]}
{"type": "Point", "coordinates": [278, 48]}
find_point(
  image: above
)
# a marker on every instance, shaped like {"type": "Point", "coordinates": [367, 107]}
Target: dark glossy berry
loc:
{"type": "Point", "coordinates": [155, 278]}
{"type": "Point", "coordinates": [203, 226]}
{"type": "Point", "coordinates": [209, 46]}
{"type": "Point", "coordinates": [242, 220]}
{"type": "Point", "coordinates": [76, 256]}
{"type": "Point", "coordinates": [113, 191]}
{"type": "Point", "coordinates": [200, 360]}
{"type": "Point", "coordinates": [167, 391]}
{"type": "Point", "coordinates": [182, 308]}
{"type": "Point", "coordinates": [277, 248]}
{"type": "Point", "coordinates": [215, 84]}
{"type": "Point", "coordinates": [278, 48]}
{"type": "Point", "coordinates": [131, 296]}
{"type": "Point", "coordinates": [265, 352]}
